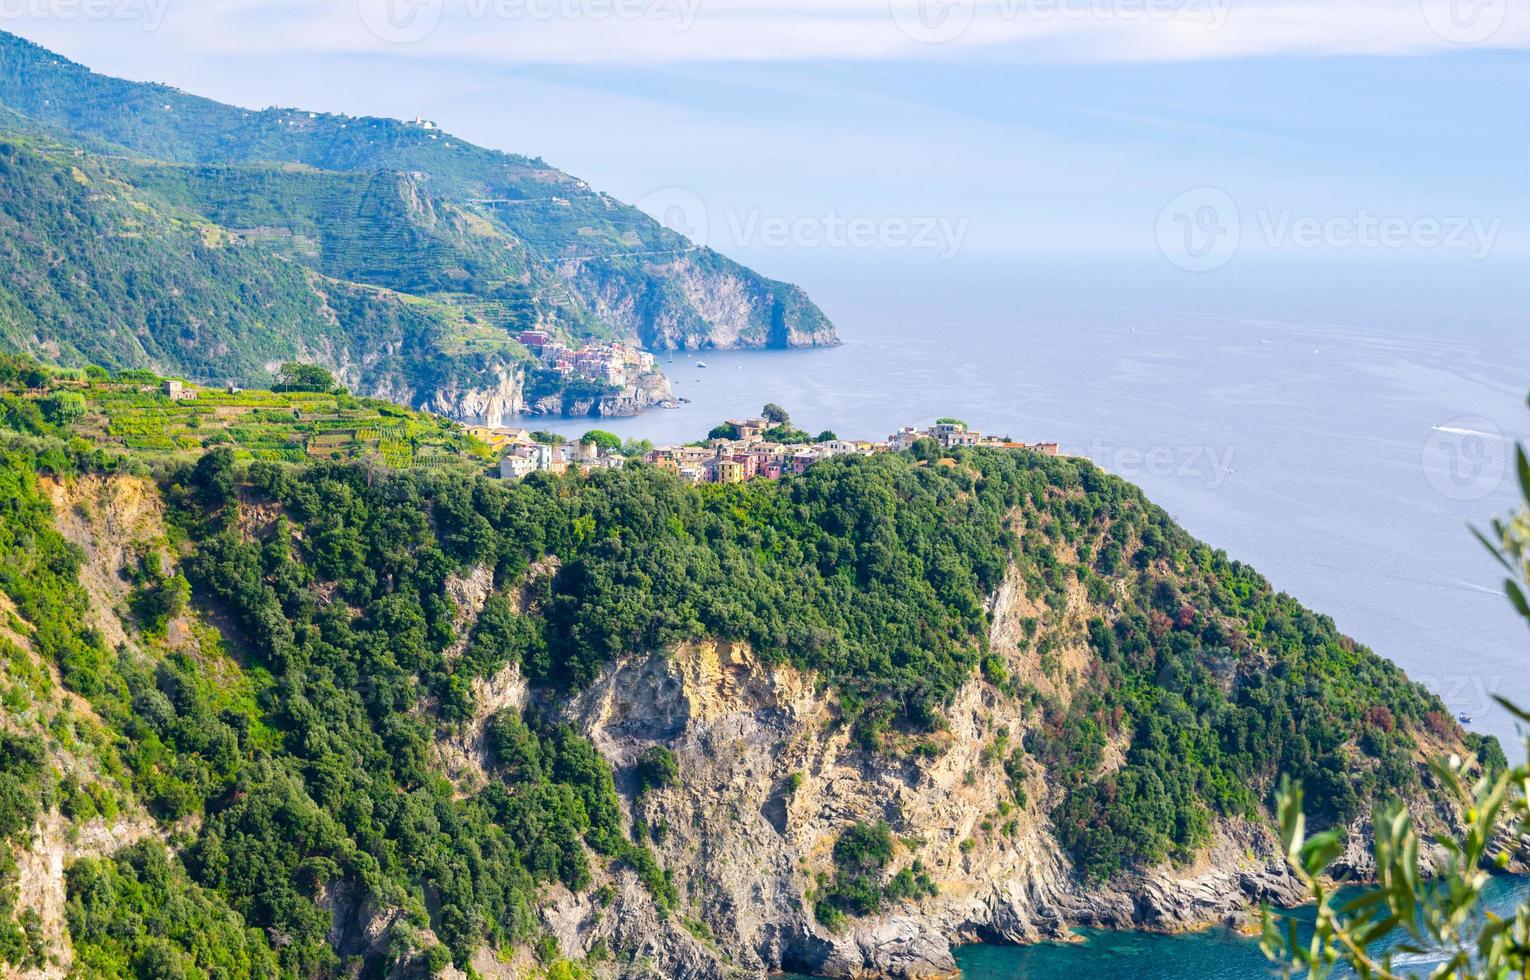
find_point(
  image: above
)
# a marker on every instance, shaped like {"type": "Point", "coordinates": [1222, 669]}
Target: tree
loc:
{"type": "Point", "coordinates": [725, 431]}
{"type": "Point", "coordinates": [656, 768]}
{"type": "Point", "coordinates": [775, 414]}
{"type": "Point", "coordinates": [35, 376]}
{"type": "Point", "coordinates": [214, 475]}
{"type": "Point", "coordinates": [64, 407]}
{"type": "Point", "coordinates": [608, 442]}
{"type": "Point", "coordinates": [1445, 914]}
{"type": "Point", "coordinates": [827, 435]}
{"type": "Point", "coordinates": [296, 376]}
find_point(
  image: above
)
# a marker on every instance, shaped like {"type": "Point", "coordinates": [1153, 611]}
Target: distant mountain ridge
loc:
{"type": "Point", "coordinates": [457, 247]}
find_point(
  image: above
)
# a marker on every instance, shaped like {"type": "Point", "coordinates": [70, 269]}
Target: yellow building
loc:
{"type": "Point", "coordinates": [729, 471]}
{"type": "Point", "coordinates": [484, 434]}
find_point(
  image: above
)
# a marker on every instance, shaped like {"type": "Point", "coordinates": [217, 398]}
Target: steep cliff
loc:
{"type": "Point", "coordinates": [768, 780]}
{"type": "Point", "coordinates": [418, 722]}
{"type": "Point", "coordinates": [504, 393]}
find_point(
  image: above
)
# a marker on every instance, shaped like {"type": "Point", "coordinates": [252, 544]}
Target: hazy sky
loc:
{"type": "Point", "coordinates": [1203, 138]}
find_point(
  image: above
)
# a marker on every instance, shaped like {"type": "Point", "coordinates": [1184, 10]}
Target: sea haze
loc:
{"type": "Point", "coordinates": [1343, 454]}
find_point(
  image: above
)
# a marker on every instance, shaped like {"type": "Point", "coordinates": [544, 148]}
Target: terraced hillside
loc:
{"type": "Point", "coordinates": [100, 271]}
{"type": "Point", "coordinates": [129, 415]}
{"type": "Point", "coordinates": [382, 228]}
{"type": "Point", "coordinates": [606, 265]}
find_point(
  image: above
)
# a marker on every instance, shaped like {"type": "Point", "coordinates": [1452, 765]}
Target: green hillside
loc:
{"type": "Point", "coordinates": [381, 228]}
{"type": "Point", "coordinates": [99, 271]}
{"type": "Point", "coordinates": [297, 647]}
{"type": "Point", "coordinates": [583, 252]}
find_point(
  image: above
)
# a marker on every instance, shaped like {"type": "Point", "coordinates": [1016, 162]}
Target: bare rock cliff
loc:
{"type": "Point", "coordinates": [744, 845]}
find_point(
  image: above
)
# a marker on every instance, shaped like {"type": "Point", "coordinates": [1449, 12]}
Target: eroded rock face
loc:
{"type": "Point", "coordinates": [744, 847]}
{"type": "Point", "coordinates": [40, 883]}
{"type": "Point", "coordinates": [502, 395]}
{"type": "Point", "coordinates": [709, 306]}
{"type": "Point", "coordinates": [489, 403]}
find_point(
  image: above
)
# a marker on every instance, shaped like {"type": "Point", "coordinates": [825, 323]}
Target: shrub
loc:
{"type": "Point", "coordinates": [657, 768]}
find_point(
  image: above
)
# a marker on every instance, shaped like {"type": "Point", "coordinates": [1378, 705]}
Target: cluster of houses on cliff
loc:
{"type": "Point", "coordinates": [615, 364]}
{"type": "Point", "coordinates": [521, 455]}
{"type": "Point", "coordinates": [748, 455]}
{"type": "Point", "coordinates": [753, 454]}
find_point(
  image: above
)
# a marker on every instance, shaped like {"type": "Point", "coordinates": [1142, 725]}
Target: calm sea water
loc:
{"type": "Point", "coordinates": [1217, 954]}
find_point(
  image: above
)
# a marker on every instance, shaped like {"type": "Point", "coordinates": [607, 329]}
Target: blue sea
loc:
{"type": "Point", "coordinates": [1216, 954]}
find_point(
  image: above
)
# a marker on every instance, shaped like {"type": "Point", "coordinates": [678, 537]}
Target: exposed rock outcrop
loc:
{"type": "Point", "coordinates": [494, 404]}
{"type": "Point", "coordinates": [706, 302]}
{"type": "Point", "coordinates": [744, 845]}
{"type": "Point", "coordinates": [487, 404]}
{"type": "Point", "coordinates": [40, 883]}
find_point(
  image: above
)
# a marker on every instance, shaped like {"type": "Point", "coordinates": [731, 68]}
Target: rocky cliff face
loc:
{"type": "Point", "coordinates": [487, 403]}
{"type": "Point", "coordinates": [505, 395]}
{"type": "Point", "coordinates": [697, 301]}
{"type": "Point", "coordinates": [650, 391]}
{"type": "Point", "coordinates": [744, 844]}
{"type": "Point", "coordinates": [768, 780]}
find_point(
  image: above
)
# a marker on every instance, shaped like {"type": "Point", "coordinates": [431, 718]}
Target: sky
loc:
{"type": "Point", "coordinates": [1364, 150]}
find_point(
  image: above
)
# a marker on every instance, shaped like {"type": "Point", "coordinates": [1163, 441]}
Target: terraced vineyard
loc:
{"type": "Point", "coordinates": [269, 425]}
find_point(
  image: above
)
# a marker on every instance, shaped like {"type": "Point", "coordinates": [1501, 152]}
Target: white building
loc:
{"type": "Point", "coordinates": [515, 467]}
{"type": "Point", "coordinates": [905, 438]}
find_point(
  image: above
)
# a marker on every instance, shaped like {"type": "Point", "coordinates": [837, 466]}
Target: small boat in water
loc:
{"type": "Point", "coordinates": [1464, 718]}
{"type": "Point", "coordinates": [701, 364]}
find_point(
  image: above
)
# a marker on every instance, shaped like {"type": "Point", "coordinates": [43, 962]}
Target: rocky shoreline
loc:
{"type": "Point", "coordinates": [768, 779]}
{"type": "Point", "coordinates": [737, 836]}
{"type": "Point", "coordinates": [506, 396]}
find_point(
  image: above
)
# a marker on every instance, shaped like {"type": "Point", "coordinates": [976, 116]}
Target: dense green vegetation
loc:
{"type": "Point", "coordinates": [308, 764]}
{"type": "Point", "coordinates": [857, 886]}
{"type": "Point", "coordinates": [303, 776]}
{"type": "Point", "coordinates": [22, 776]}
{"type": "Point", "coordinates": [222, 224]}
{"type": "Point", "coordinates": [129, 415]}
{"type": "Point", "coordinates": [137, 914]}
{"type": "Point", "coordinates": [873, 572]}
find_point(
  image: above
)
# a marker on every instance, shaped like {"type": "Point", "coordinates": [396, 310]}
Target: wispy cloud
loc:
{"type": "Point", "coordinates": [671, 31]}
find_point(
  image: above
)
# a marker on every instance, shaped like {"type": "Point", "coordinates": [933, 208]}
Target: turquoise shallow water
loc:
{"type": "Point", "coordinates": [1217, 954]}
